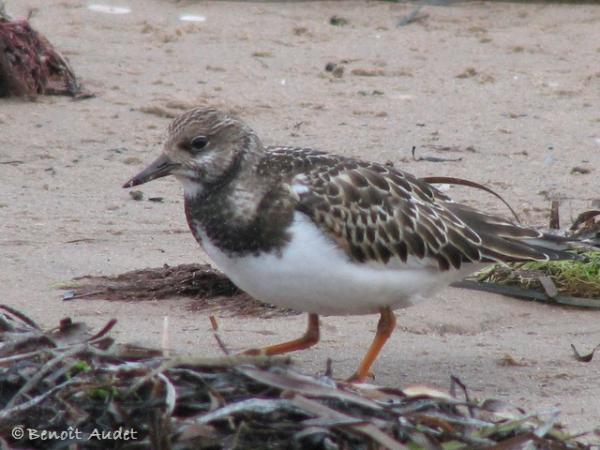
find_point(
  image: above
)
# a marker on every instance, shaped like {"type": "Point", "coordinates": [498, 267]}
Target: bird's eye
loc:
{"type": "Point", "coordinates": [198, 143]}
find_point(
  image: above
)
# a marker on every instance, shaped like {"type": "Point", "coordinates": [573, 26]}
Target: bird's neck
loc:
{"type": "Point", "coordinates": [240, 173]}
{"type": "Point", "coordinates": [228, 211]}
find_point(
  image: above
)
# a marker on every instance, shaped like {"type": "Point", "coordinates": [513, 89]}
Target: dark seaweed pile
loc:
{"type": "Point", "coordinates": [95, 393]}
{"type": "Point", "coordinates": [30, 66]}
{"type": "Point", "coordinates": [209, 288]}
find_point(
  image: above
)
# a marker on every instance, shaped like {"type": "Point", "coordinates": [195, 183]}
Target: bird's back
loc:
{"type": "Point", "coordinates": [379, 213]}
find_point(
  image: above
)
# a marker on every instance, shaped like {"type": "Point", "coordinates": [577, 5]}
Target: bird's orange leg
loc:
{"type": "Point", "coordinates": [310, 338]}
{"type": "Point", "coordinates": [385, 327]}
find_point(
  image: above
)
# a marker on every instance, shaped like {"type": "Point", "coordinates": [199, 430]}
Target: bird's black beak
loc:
{"type": "Point", "coordinates": [160, 167]}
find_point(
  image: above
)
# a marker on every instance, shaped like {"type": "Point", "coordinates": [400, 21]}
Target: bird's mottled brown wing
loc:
{"type": "Point", "coordinates": [376, 213]}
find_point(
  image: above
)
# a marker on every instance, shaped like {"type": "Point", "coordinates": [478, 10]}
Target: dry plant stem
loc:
{"type": "Point", "coordinates": [372, 431]}
{"type": "Point", "coordinates": [20, 356]}
{"type": "Point", "coordinates": [385, 328]}
{"type": "Point", "coordinates": [105, 329]}
{"type": "Point", "coordinates": [7, 412]}
{"type": "Point", "coordinates": [411, 17]}
{"type": "Point", "coordinates": [310, 338]}
{"type": "Point", "coordinates": [171, 393]}
{"type": "Point", "coordinates": [228, 361]}
{"type": "Point", "coordinates": [554, 215]}
{"type": "Point", "coordinates": [21, 316]}
{"type": "Point", "coordinates": [250, 399]}
{"type": "Point", "coordinates": [165, 337]}
{"type": "Point", "coordinates": [220, 343]}
{"type": "Point", "coordinates": [43, 371]}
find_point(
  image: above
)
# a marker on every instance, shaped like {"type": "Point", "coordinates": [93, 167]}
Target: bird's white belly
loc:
{"type": "Point", "coordinates": [312, 274]}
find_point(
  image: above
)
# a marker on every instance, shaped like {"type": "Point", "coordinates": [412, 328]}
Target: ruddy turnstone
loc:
{"type": "Point", "coordinates": [327, 234]}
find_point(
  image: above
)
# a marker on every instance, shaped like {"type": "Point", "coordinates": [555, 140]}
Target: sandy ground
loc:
{"type": "Point", "coordinates": [511, 89]}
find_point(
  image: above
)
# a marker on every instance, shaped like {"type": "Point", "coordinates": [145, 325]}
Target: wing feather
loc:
{"type": "Point", "coordinates": [375, 212]}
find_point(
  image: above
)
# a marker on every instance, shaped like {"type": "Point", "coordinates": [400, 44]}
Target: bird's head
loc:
{"type": "Point", "coordinates": [202, 147]}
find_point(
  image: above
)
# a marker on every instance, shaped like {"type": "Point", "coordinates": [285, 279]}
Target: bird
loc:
{"type": "Point", "coordinates": [328, 234]}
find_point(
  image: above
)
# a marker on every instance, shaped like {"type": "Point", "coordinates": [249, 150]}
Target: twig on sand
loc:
{"type": "Point", "coordinates": [215, 328]}
{"type": "Point", "coordinates": [413, 16]}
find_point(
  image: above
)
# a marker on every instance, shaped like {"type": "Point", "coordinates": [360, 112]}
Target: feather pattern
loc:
{"type": "Point", "coordinates": [375, 213]}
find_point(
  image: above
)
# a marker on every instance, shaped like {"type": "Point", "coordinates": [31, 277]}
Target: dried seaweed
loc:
{"type": "Point", "coordinates": [31, 66]}
{"type": "Point", "coordinates": [570, 282]}
{"type": "Point", "coordinates": [190, 280]}
{"type": "Point", "coordinates": [570, 278]}
{"type": "Point", "coordinates": [210, 289]}
{"type": "Point", "coordinates": [94, 393]}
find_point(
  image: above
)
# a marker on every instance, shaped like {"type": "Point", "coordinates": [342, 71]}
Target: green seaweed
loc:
{"type": "Point", "coordinates": [575, 278]}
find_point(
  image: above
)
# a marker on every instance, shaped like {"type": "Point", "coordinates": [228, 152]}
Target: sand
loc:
{"type": "Point", "coordinates": [512, 90]}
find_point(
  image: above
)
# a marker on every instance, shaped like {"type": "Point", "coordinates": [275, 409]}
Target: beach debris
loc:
{"type": "Point", "coordinates": [136, 195]}
{"type": "Point", "coordinates": [413, 16]}
{"type": "Point", "coordinates": [573, 282]}
{"type": "Point", "coordinates": [209, 288]}
{"type": "Point", "coordinates": [31, 66]}
{"type": "Point", "coordinates": [154, 284]}
{"type": "Point", "coordinates": [192, 18]}
{"type": "Point", "coordinates": [338, 21]}
{"type": "Point", "coordinates": [584, 358]}
{"type": "Point", "coordinates": [431, 158]}
{"type": "Point", "coordinates": [368, 72]}
{"type": "Point", "coordinates": [554, 222]}
{"type": "Point", "coordinates": [337, 70]}
{"type": "Point", "coordinates": [579, 170]}
{"type": "Point", "coordinates": [71, 380]}
{"type": "Point", "coordinates": [109, 9]}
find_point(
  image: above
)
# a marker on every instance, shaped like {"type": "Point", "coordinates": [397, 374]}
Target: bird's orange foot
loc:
{"type": "Point", "coordinates": [310, 338]}
{"type": "Point", "coordinates": [254, 352]}
{"type": "Point", "coordinates": [358, 378]}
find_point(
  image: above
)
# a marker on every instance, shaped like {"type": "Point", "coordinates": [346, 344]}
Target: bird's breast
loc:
{"type": "Point", "coordinates": [312, 273]}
